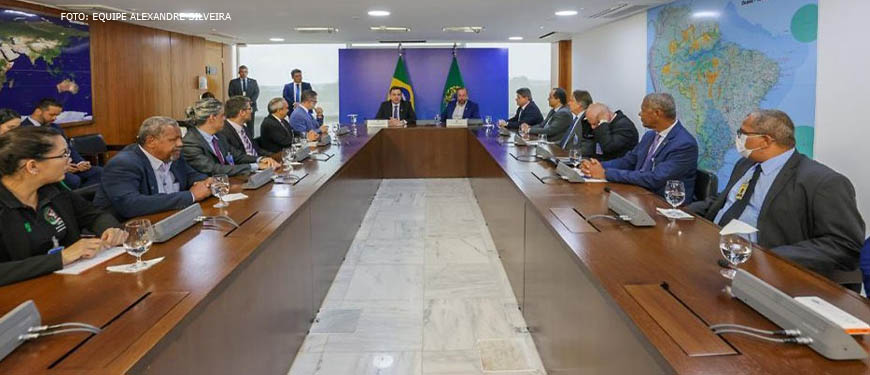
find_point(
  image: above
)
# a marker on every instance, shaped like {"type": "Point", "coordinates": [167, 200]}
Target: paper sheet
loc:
{"type": "Point", "coordinates": [83, 265]}
{"type": "Point", "coordinates": [737, 227]}
{"type": "Point", "coordinates": [123, 267]}
{"type": "Point", "coordinates": [676, 214]}
{"type": "Point", "coordinates": [234, 197]}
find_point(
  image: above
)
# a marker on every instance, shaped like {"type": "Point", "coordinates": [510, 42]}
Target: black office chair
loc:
{"type": "Point", "coordinates": [706, 184]}
{"type": "Point", "coordinates": [87, 192]}
{"type": "Point", "coordinates": [92, 147]}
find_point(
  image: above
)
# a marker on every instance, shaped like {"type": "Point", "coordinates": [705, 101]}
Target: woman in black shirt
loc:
{"type": "Point", "coordinates": [40, 218]}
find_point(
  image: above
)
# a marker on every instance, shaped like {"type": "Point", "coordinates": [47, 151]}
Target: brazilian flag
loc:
{"type": "Point", "coordinates": [453, 83]}
{"type": "Point", "coordinates": [402, 80]}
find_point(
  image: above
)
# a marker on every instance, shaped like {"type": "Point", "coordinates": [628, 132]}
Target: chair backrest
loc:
{"type": "Point", "coordinates": [87, 192]}
{"type": "Point", "coordinates": [90, 146]}
{"type": "Point", "coordinates": [706, 184]}
{"type": "Point", "coordinates": [864, 265]}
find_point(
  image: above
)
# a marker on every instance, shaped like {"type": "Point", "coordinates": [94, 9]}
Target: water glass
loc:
{"type": "Point", "coordinates": [140, 236]}
{"type": "Point", "coordinates": [220, 187]}
{"type": "Point", "coordinates": [675, 192]}
{"type": "Point", "coordinates": [542, 139]}
{"type": "Point", "coordinates": [437, 119]}
{"type": "Point", "coordinates": [574, 155]}
{"type": "Point", "coordinates": [488, 120]}
{"type": "Point", "coordinates": [736, 250]}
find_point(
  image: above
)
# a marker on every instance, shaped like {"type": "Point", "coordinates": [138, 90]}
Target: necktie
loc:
{"type": "Point", "coordinates": [217, 150]}
{"type": "Point", "coordinates": [395, 111]}
{"type": "Point", "coordinates": [244, 85]}
{"type": "Point", "coordinates": [296, 96]}
{"type": "Point", "coordinates": [647, 162]}
{"type": "Point", "coordinates": [570, 133]}
{"type": "Point", "coordinates": [740, 204]}
{"type": "Point", "coordinates": [249, 147]}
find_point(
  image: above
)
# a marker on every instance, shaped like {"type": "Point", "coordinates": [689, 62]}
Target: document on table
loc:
{"type": "Point", "coordinates": [83, 265]}
{"type": "Point", "coordinates": [676, 214]}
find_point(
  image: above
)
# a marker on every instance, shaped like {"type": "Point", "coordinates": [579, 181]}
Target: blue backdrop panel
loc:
{"type": "Point", "coordinates": [364, 77]}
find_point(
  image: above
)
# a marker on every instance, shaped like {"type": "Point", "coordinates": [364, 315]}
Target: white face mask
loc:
{"type": "Point", "coordinates": [740, 143]}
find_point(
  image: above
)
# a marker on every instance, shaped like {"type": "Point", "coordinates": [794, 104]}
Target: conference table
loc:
{"type": "Point", "coordinates": [598, 296]}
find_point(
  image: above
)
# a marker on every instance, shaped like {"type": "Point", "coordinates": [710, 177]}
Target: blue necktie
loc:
{"type": "Point", "coordinates": [647, 162]}
{"type": "Point", "coordinates": [395, 111]}
{"type": "Point", "coordinates": [570, 132]}
{"type": "Point", "coordinates": [296, 90]}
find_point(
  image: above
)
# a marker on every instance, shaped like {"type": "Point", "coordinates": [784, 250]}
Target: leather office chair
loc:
{"type": "Point", "coordinates": [864, 265]}
{"type": "Point", "coordinates": [706, 185]}
{"type": "Point", "coordinates": [92, 147]}
{"type": "Point", "coordinates": [87, 192]}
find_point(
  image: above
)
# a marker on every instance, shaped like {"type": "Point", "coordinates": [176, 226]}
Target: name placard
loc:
{"type": "Point", "coordinates": [451, 123]}
{"type": "Point", "coordinates": [377, 123]}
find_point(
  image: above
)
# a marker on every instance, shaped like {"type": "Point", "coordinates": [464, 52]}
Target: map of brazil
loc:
{"type": "Point", "coordinates": [721, 59]}
{"type": "Point", "coordinates": [42, 56]}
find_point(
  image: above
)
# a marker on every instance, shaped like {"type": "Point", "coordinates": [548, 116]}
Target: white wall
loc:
{"type": "Point", "coordinates": [610, 62]}
{"type": "Point", "coordinates": [842, 128]}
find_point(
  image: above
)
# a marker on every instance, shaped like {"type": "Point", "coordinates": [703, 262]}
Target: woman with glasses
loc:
{"type": "Point", "coordinates": [42, 220]}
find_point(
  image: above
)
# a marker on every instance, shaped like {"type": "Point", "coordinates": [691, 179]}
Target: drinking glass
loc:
{"type": "Point", "coordinates": [220, 187]}
{"type": "Point", "coordinates": [675, 192]}
{"type": "Point", "coordinates": [488, 120]}
{"type": "Point", "coordinates": [140, 236]}
{"type": "Point", "coordinates": [437, 119]}
{"type": "Point", "coordinates": [574, 156]}
{"type": "Point", "coordinates": [542, 139]}
{"type": "Point", "coordinates": [736, 250]}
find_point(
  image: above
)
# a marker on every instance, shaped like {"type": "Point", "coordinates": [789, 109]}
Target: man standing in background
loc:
{"type": "Point", "coordinates": [246, 87]}
{"type": "Point", "coordinates": [293, 90]}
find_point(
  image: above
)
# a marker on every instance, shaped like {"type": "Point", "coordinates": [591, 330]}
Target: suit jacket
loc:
{"type": "Point", "coordinates": [198, 153]}
{"type": "Point", "coordinates": [129, 187]}
{"type": "Point", "coordinates": [228, 133]}
{"type": "Point", "coordinates": [574, 136]}
{"type": "Point", "coordinates": [556, 125]}
{"type": "Point", "coordinates": [675, 159]}
{"type": "Point", "coordinates": [809, 216]}
{"type": "Point", "coordinates": [406, 112]}
{"type": "Point", "coordinates": [531, 115]}
{"type": "Point", "coordinates": [275, 135]}
{"type": "Point", "coordinates": [74, 155]}
{"type": "Point", "coordinates": [471, 110]}
{"type": "Point", "coordinates": [252, 90]}
{"type": "Point", "coordinates": [287, 93]}
{"type": "Point", "coordinates": [301, 121]}
{"type": "Point", "coordinates": [616, 138]}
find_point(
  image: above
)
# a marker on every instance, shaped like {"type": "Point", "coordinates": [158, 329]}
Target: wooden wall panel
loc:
{"type": "Point", "coordinates": [138, 72]}
{"type": "Point", "coordinates": [565, 65]}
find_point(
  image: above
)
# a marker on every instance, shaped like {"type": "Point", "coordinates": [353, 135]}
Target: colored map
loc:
{"type": "Point", "coordinates": [721, 59]}
{"type": "Point", "coordinates": [42, 56]}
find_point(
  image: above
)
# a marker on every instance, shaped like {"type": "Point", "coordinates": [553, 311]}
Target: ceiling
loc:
{"type": "Point", "coordinates": [256, 21]}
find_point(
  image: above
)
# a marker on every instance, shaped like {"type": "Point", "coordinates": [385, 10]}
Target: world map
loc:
{"type": "Point", "coordinates": [42, 56]}
{"type": "Point", "coordinates": [721, 59]}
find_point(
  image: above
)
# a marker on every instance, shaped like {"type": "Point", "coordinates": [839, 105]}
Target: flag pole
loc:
{"type": "Point", "coordinates": [454, 49]}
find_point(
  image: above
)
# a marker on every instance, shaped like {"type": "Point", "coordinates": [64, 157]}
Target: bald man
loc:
{"type": "Point", "coordinates": [613, 134]}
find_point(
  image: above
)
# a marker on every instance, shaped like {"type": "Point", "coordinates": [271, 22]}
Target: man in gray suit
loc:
{"type": "Point", "coordinates": [207, 152]}
{"type": "Point", "coordinates": [804, 211]}
{"type": "Point", "coordinates": [558, 121]}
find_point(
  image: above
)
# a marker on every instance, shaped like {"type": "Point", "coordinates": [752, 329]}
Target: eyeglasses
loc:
{"type": "Point", "coordinates": [741, 132]}
{"type": "Point", "coordinates": [65, 155]}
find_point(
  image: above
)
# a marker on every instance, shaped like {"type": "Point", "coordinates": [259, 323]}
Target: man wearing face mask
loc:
{"type": "Point", "coordinates": [804, 211]}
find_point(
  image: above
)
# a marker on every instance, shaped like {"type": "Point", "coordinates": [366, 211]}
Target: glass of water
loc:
{"type": "Point", "coordinates": [736, 249]}
{"type": "Point", "coordinates": [488, 120]}
{"type": "Point", "coordinates": [437, 119]}
{"type": "Point", "coordinates": [675, 192]}
{"type": "Point", "coordinates": [140, 236]}
{"type": "Point", "coordinates": [542, 139]}
{"type": "Point", "coordinates": [220, 187]}
{"type": "Point", "coordinates": [574, 156]}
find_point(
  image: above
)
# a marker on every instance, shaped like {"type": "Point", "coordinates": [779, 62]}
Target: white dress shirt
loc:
{"type": "Point", "coordinates": [459, 111]}
{"type": "Point", "coordinates": [166, 183]}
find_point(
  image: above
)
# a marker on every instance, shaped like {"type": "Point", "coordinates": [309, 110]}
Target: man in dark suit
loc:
{"type": "Point", "coordinates": [236, 132]}
{"type": "Point", "coordinates": [79, 172]}
{"type": "Point", "coordinates": [558, 120]}
{"type": "Point", "coordinates": [612, 134]}
{"type": "Point", "coordinates": [397, 110]}
{"type": "Point", "coordinates": [208, 153]}
{"type": "Point", "coordinates": [149, 176]}
{"type": "Point", "coordinates": [293, 91]}
{"type": "Point", "coordinates": [668, 152]}
{"type": "Point", "coordinates": [527, 111]}
{"type": "Point", "coordinates": [275, 132]}
{"type": "Point", "coordinates": [804, 211]}
{"type": "Point", "coordinates": [460, 107]}
{"type": "Point", "coordinates": [248, 88]}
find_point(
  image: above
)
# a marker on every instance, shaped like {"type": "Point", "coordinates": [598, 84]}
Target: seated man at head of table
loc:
{"type": "Point", "coordinates": [275, 131]}
{"type": "Point", "coordinates": [236, 131]}
{"type": "Point", "coordinates": [150, 176]}
{"type": "Point", "coordinates": [79, 172]}
{"type": "Point", "coordinates": [206, 151]}
{"type": "Point", "coordinates": [612, 134]}
{"type": "Point", "coordinates": [667, 152]}
{"type": "Point", "coordinates": [460, 107]}
{"type": "Point", "coordinates": [42, 219]}
{"type": "Point", "coordinates": [804, 211]}
{"type": "Point", "coordinates": [527, 111]}
{"type": "Point", "coordinates": [397, 110]}
{"type": "Point", "coordinates": [303, 122]}
{"type": "Point", "coordinates": [558, 120]}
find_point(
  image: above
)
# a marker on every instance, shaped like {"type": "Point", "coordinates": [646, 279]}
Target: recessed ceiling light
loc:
{"type": "Point", "coordinates": [565, 13]}
{"type": "Point", "coordinates": [276, 39]}
{"type": "Point", "coordinates": [516, 38]}
{"type": "Point", "coordinates": [379, 13]}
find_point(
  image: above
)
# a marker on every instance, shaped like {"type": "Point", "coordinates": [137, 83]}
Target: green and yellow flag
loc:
{"type": "Point", "coordinates": [402, 80]}
{"type": "Point", "coordinates": [453, 83]}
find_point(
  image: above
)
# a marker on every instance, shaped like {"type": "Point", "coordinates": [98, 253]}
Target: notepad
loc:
{"type": "Point", "coordinates": [83, 265]}
{"type": "Point", "coordinates": [234, 197]}
{"type": "Point", "coordinates": [673, 213]}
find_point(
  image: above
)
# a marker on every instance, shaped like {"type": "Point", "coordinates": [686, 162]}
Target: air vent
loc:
{"type": "Point", "coordinates": [463, 29]}
{"type": "Point", "coordinates": [223, 35]}
{"type": "Point", "coordinates": [547, 35]}
{"type": "Point", "coordinates": [619, 10]}
{"type": "Point", "coordinates": [316, 30]}
{"type": "Point", "coordinates": [390, 29]}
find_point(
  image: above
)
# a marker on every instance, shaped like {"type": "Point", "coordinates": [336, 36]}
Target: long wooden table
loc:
{"type": "Point", "coordinates": [233, 301]}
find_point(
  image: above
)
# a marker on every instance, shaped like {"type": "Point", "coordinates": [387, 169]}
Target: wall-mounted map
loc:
{"type": "Point", "coordinates": [721, 59]}
{"type": "Point", "coordinates": [42, 56]}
